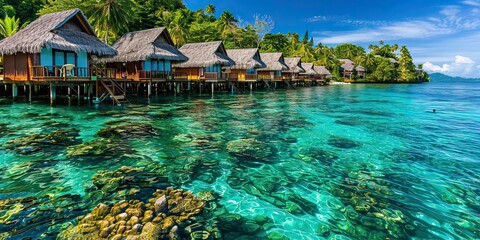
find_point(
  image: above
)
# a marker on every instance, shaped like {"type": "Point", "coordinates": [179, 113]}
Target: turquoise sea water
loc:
{"type": "Point", "coordinates": [334, 162]}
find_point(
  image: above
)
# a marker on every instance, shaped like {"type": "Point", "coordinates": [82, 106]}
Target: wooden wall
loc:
{"type": "Point", "coordinates": [16, 67]}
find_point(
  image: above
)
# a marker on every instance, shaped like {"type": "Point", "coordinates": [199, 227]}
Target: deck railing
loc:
{"type": "Point", "coordinates": [265, 77]}
{"type": "Point", "coordinates": [154, 75]}
{"type": "Point", "coordinates": [180, 75]}
{"type": "Point", "coordinates": [251, 76]}
{"type": "Point", "coordinates": [233, 77]}
{"type": "Point", "coordinates": [212, 76]}
{"type": "Point", "coordinates": [277, 78]}
{"type": "Point", "coordinates": [64, 73]}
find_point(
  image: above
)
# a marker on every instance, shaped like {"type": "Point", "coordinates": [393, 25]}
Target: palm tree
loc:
{"type": "Point", "coordinates": [210, 9]}
{"type": "Point", "coordinates": [110, 15]}
{"type": "Point", "coordinates": [226, 23]}
{"type": "Point", "coordinates": [178, 27]}
{"type": "Point", "coordinates": [9, 26]}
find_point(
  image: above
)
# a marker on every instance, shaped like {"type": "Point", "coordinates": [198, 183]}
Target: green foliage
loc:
{"type": "Point", "coordinates": [146, 12]}
{"type": "Point", "coordinates": [110, 16]}
{"type": "Point", "coordinates": [385, 70]}
{"type": "Point", "coordinates": [407, 68]}
{"type": "Point", "coordinates": [384, 50]}
{"type": "Point", "coordinates": [274, 43]}
{"type": "Point", "coordinates": [210, 9]}
{"type": "Point", "coordinates": [9, 26]}
{"type": "Point", "coordinates": [8, 10]}
{"type": "Point", "coordinates": [23, 9]}
{"type": "Point", "coordinates": [348, 51]}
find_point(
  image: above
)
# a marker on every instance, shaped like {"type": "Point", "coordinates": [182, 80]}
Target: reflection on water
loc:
{"type": "Point", "coordinates": [353, 161]}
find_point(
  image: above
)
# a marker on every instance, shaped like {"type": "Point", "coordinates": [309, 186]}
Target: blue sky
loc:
{"type": "Point", "coordinates": [442, 35]}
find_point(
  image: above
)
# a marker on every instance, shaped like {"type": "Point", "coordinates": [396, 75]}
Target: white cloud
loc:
{"type": "Point", "coordinates": [399, 30]}
{"type": "Point", "coordinates": [474, 3]}
{"type": "Point", "coordinates": [430, 67]}
{"type": "Point", "coordinates": [463, 60]}
{"type": "Point", "coordinates": [462, 66]}
{"type": "Point", "coordinates": [453, 19]}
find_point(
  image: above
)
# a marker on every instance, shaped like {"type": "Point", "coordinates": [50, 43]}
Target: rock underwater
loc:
{"type": "Point", "coordinates": [158, 218]}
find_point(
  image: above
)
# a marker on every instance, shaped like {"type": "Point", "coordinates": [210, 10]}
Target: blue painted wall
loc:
{"type": "Point", "coordinates": [154, 65]}
{"type": "Point", "coordinates": [46, 57]}
{"type": "Point", "coordinates": [71, 58]}
{"type": "Point", "coordinates": [147, 65]}
{"type": "Point", "coordinates": [82, 60]}
{"type": "Point", "coordinates": [59, 58]}
{"type": "Point", "coordinates": [168, 65]}
{"type": "Point", "coordinates": [214, 68]}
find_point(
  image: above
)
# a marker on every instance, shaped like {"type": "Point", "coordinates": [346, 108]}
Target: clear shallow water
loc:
{"type": "Point", "coordinates": [340, 162]}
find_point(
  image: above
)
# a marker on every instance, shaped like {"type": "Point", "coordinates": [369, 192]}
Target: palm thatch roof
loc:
{"type": "Point", "coordinates": [295, 65]}
{"type": "Point", "coordinates": [66, 31]}
{"type": "Point", "coordinates": [308, 67]}
{"type": "Point", "coordinates": [349, 65]}
{"type": "Point", "coordinates": [322, 70]}
{"type": "Point", "coordinates": [360, 68]}
{"type": "Point", "coordinates": [247, 58]}
{"type": "Point", "coordinates": [204, 55]}
{"type": "Point", "coordinates": [154, 43]}
{"type": "Point", "coordinates": [273, 61]}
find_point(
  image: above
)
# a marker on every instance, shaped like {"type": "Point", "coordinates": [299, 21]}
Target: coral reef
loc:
{"type": "Point", "coordinates": [38, 142]}
{"type": "Point", "coordinates": [158, 218]}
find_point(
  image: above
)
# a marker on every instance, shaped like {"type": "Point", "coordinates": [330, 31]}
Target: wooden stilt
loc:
{"type": "Point", "coordinates": [30, 92]}
{"type": "Point", "coordinates": [53, 93]}
{"type": "Point", "coordinates": [149, 89]}
{"type": "Point", "coordinates": [14, 90]}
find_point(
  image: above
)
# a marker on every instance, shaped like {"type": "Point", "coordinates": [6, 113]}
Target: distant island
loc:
{"type": "Point", "coordinates": [440, 77]}
{"type": "Point", "coordinates": [111, 19]}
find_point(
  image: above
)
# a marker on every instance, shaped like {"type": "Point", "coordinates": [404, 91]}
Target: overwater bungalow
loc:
{"type": "Point", "coordinates": [145, 56]}
{"type": "Point", "coordinates": [309, 75]}
{"type": "Point", "coordinates": [348, 67]}
{"type": "Point", "coordinates": [323, 75]}
{"type": "Point", "coordinates": [207, 61]}
{"type": "Point", "coordinates": [274, 66]}
{"type": "Point", "coordinates": [247, 61]}
{"type": "Point", "coordinates": [56, 47]}
{"type": "Point", "coordinates": [322, 72]}
{"type": "Point", "coordinates": [295, 68]}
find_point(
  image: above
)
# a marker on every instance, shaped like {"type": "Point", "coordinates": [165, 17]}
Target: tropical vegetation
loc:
{"type": "Point", "coordinates": [113, 18]}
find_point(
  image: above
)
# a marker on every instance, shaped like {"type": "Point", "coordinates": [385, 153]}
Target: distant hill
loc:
{"type": "Point", "coordinates": [439, 77]}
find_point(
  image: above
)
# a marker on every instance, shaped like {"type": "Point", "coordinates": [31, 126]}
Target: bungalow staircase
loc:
{"type": "Point", "coordinates": [113, 90]}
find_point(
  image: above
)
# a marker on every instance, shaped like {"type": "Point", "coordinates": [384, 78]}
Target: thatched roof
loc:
{"type": "Point", "coordinates": [66, 31]}
{"type": "Point", "coordinates": [154, 43]}
{"type": "Point", "coordinates": [360, 69]}
{"type": "Point", "coordinates": [322, 70]}
{"type": "Point", "coordinates": [246, 58]}
{"type": "Point", "coordinates": [308, 67]}
{"type": "Point", "coordinates": [348, 65]}
{"type": "Point", "coordinates": [204, 55]}
{"type": "Point", "coordinates": [273, 61]}
{"type": "Point", "coordinates": [295, 65]}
